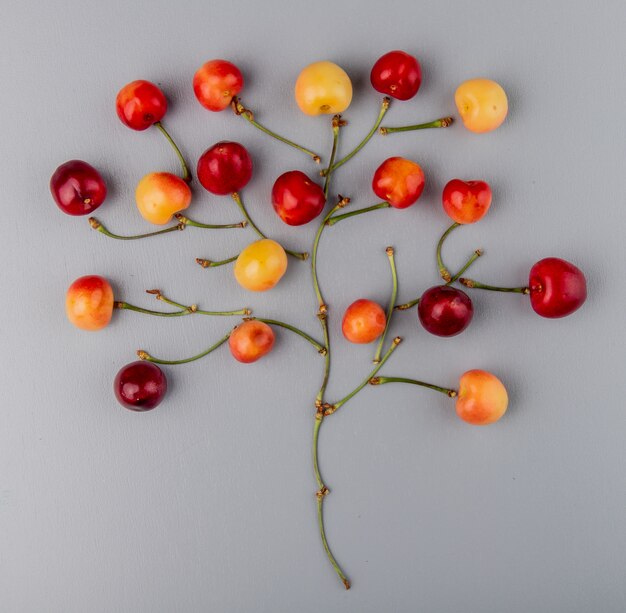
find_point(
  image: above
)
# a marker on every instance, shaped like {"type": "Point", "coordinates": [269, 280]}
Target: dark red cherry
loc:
{"type": "Point", "coordinates": [296, 198]}
{"type": "Point", "coordinates": [140, 386]}
{"type": "Point", "coordinates": [445, 310]}
{"type": "Point", "coordinates": [224, 168]}
{"type": "Point", "coordinates": [77, 188]}
{"type": "Point", "coordinates": [140, 104]}
{"type": "Point", "coordinates": [397, 74]}
{"type": "Point", "coordinates": [557, 288]}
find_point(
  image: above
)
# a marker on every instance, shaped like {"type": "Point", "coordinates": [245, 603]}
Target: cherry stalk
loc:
{"type": "Point", "coordinates": [443, 122]}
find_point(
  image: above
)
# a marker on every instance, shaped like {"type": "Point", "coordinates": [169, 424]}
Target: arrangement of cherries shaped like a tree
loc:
{"type": "Point", "coordinates": [556, 288]}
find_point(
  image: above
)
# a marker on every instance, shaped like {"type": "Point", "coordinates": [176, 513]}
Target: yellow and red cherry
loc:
{"type": "Point", "coordinates": [444, 310]}
{"type": "Point", "coordinates": [250, 341]}
{"type": "Point", "coordinates": [482, 399]}
{"type": "Point", "coordinates": [296, 198]}
{"type": "Point", "coordinates": [159, 195]}
{"type": "Point", "coordinates": [261, 265]}
{"type": "Point", "coordinates": [216, 83]}
{"type": "Point", "coordinates": [77, 188]}
{"type": "Point", "coordinates": [140, 386]}
{"type": "Point", "coordinates": [89, 303]}
{"type": "Point", "coordinates": [482, 104]}
{"type": "Point", "coordinates": [140, 104]}
{"type": "Point", "coordinates": [398, 181]}
{"type": "Point", "coordinates": [466, 201]}
{"type": "Point", "coordinates": [397, 74]}
{"type": "Point", "coordinates": [323, 88]}
{"type": "Point", "coordinates": [363, 322]}
{"type": "Point", "coordinates": [557, 288]}
{"type": "Point", "coordinates": [225, 168]}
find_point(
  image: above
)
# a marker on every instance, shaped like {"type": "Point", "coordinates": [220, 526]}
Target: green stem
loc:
{"type": "Point", "coordinates": [469, 262]}
{"type": "Point", "coordinates": [383, 109]}
{"type": "Point", "coordinates": [186, 172]}
{"type": "Point", "coordinates": [237, 198]}
{"type": "Point", "coordinates": [132, 307]}
{"type": "Point", "coordinates": [249, 117]}
{"type": "Point", "coordinates": [196, 224]}
{"type": "Point", "coordinates": [444, 390]}
{"type": "Point", "coordinates": [337, 405]}
{"type": "Point", "coordinates": [337, 218]}
{"type": "Point", "coordinates": [320, 348]}
{"type": "Point", "coordinates": [494, 288]}
{"type": "Point", "coordinates": [97, 225]}
{"type": "Point", "coordinates": [214, 263]}
{"type": "Point", "coordinates": [336, 123]}
{"type": "Point", "coordinates": [407, 305]}
{"type": "Point", "coordinates": [143, 355]}
{"type": "Point", "coordinates": [443, 271]}
{"type": "Point", "coordinates": [392, 303]}
{"type": "Point", "coordinates": [193, 308]}
{"type": "Point", "coordinates": [443, 122]}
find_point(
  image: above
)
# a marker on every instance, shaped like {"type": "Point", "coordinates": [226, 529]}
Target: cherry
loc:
{"type": "Point", "coordinates": [89, 302]}
{"type": "Point", "coordinates": [557, 288]}
{"type": "Point", "coordinates": [398, 181]}
{"type": "Point", "coordinates": [482, 398]}
{"type": "Point", "coordinates": [77, 188]}
{"type": "Point", "coordinates": [140, 386]}
{"type": "Point", "coordinates": [482, 104]}
{"type": "Point", "coordinates": [250, 341]}
{"type": "Point", "coordinates": [466, 201]}
{"type": "Point", "coordinates": [140, 104]}
{"type": "Point", "coordinates": [397, 74]}
{"type": "Point", "coordinates": [323, 88]}
{"type": "Point", "coordinates": [225, 168]}
{"type": "Point", "coordinates": [161, 194]}
{"type": "Point", "coordinates": [296, 198]}
{"type": "Point", "coordinates": [364, 321]}
{"type": "Point", "coordinates": [216, 83]}
{"type": "Point", "coordinates": [261, 265]}
{"type": "Point", "coordinates": [445, 310]}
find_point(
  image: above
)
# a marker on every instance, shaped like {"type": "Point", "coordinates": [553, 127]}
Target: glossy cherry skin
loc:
{"type": "Point", "coordinates": [225, 168]}
{"type": "Point", "coordinates": [261, 265]}
{"type": "Point", "coordinates": [397, 74]}
{"type": "Point", "coordinates": [363, 322]}
{"type": "Point", "coordinates": [482, 104]}
{"type": "Point", "coordinates": [398, 181]}
{"type": "Point", "coordinates": [216, 83]}
{"type": "Point", "coordinates": [77, 188]}
{"type": "Point", "coordinates": [296, 198]}
{"type": "Point", "coordinates": [250, 341]}
{"type": "Point", "coordinates": [557, 288]}
{"type": "Point", "coordinates": [89, 303]}
{"type": "Point", "coordinates": [444, 310]}
{"type": "Point", "coordinates": [161, 194]}
{"type": "Point", "coordinates": [140, 386]}
{"type": "Point", "coordinates": [140, 104]}
{"type": "Point", "coordinates": [466, 201]}
{"type": "Point", "coordinates": [323, 88]}
{"type": "Point", "coordinates": [482, 398]}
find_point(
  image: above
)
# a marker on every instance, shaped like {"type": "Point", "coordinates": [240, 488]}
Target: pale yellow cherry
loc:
{"type": "Point", "coordinates": [161, 194]}
{"type": "Point", "coordinates": [261, 265]}
{"type": "Point", "coordinates": [482, 104]}
{"type": "Point", "coordinates": [323, 88]}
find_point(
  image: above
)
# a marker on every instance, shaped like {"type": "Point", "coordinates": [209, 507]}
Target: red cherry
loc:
{"type": "Point", "coordinates": [215, 83]}
{"type": "Point", "coordinates": [77, 188]}
{"type": "Point", "coordinates": [296, 198]}
{"type": "Point", "coordinates": [140, 104]}
{"type": "Point", "coordinates": [445, 310]}
{"type": "Point", "coordinates": [398, 181]}
{"type": "Point", "coordinates": [397, 74]}
{"type": "Point", "coordinates": [224, 168]}
{"type": "Point", "coordinates": [364, 321]}
{"type": "Point", "coordinates": [140, 386]}
{"type": "Point", "coordinates": [466, 201]}
{"type": "Point", "coordinates": [557, 288]}
{"type": "Point", "coordinates": [250, 341]}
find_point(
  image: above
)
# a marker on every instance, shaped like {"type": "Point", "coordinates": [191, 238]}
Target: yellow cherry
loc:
{"type": "Point", "coordinates": [161, 194]}
{"type": "Point", "coordinates": [261, 265]}
{"type": "Point", "coordinates": [482, 104]}
{"type": "Point", "coordinates": [323, 88]}
{"type": "Point", "coordinates": [482, 398]}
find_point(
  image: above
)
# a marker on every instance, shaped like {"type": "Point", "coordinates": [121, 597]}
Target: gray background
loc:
{"type": "Point", "coordinates": [207, 502]}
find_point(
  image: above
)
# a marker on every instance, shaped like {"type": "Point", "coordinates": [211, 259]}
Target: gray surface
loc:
{"type": "Point", "coordinates": [206, 504]}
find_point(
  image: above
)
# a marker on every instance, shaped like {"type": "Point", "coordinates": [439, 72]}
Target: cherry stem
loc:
{"type": "Point", "coordinates": [443, 122]}
{"type": "Point", "coordinates": [392, 303]}
{"type": "Point", "coordinates": [237, 198]}
{"type": "Point", "coordinates": [186, 172]}
{"type": "Point", "coordinates": [337, 218]}
{"type": "Point", "coordinates": [144, 355]}
{"type": "Point", "coordinates": [196, 224]}
{"type": "Point", "coordinates": [443, 271]}
{"type": "Point", "coordinates": [193, 308]}
{"type": "Point", "coordinates": [248, 115]}
{"type": "Point", "coordinates": [384, 107]}
{"type": "Point", "coordinates": [321, 493]}
{"type": "Point", "coordinates": [444, 390]}
{"type": "Point", "coordinates": [215, 263]}
{"type": "Point", "coordinates": [336, 124]}
{"type": "Point", "coordinates": [330, 409]}
{"type": "Point", "coordinates": [477, 285]}
{"type": "Point", "coordinates": [132, 307]}
{"type": "Point", "coordinates": [273, 322]}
